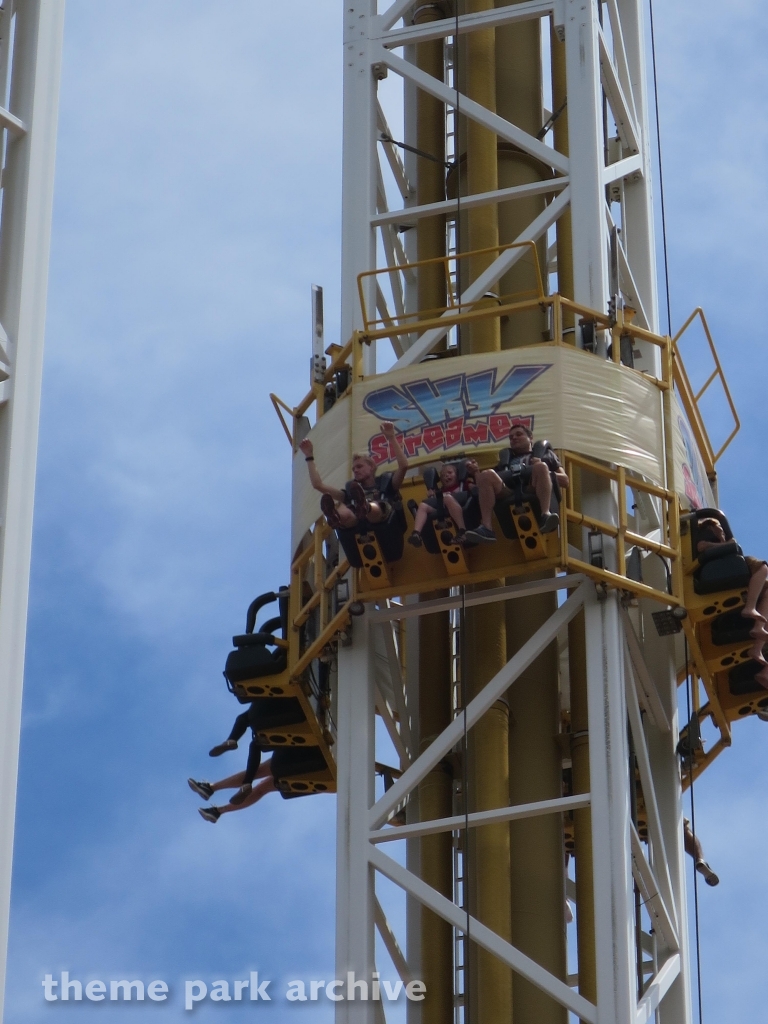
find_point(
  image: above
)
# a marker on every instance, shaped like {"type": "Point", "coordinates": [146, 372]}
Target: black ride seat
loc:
{"type": "Point", "coordinates": [389, 534]}
{"type": "Point", "coordinates": [274, 719]}
{"type": "Point", "coordinates": [731, 628]}
{"type": "Point", "coordinates": [741, 679]}
{"type": "Point", "coordinates": [252, 658]}
{"type": "Point", "coordinates": [301, 771]}
{"type": "Point", "coordinates": [721, 568]}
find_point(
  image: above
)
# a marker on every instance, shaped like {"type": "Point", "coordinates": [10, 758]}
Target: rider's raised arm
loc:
{"type": "Point", "coordinates": [388, 429]}
{"type": "Point", "coordinates": [314, 476]}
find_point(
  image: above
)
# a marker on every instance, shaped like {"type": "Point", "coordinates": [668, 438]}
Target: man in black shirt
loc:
{"type": "Point", "coordinates": [364, 498]}
{"type": "Point", "coordinates": [535, 477]}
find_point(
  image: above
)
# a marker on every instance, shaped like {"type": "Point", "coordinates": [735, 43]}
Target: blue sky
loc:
{"type": "Point", "coordinates": [197, 198]}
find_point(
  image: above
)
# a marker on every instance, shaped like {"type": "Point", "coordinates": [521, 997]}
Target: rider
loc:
{"type": "Point", "coordinates": [363, 498]}
{"type": "Point", "coordinates": [535, 477]}
{"type": "Point", "coordinates": [456, 493]}
{"type": "Point", "coordinates": [711, 534]}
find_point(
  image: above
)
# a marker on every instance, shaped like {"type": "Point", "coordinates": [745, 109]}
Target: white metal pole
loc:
{"type": "Point", "coordinates": [358, 174]}
{"type": "Point", "coordinates": [24, 249]}
{"type": "Point", "coordinates": [585, 140]}
{"type": "Point", "coordinates": [355, 796]}
{"type": "Point", "coordinates": [609, 774]}
{"type": "Point", "coordinates": [639, 236]}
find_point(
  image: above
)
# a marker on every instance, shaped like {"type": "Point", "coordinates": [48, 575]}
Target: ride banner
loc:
{"type": "Point", "coordinates": [447, 408]}
{"type": "Point", "coordinates": [691, 481]}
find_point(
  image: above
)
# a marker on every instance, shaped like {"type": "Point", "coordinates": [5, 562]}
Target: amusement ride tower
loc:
{"type": "Point", "coordinates": [516, 699]}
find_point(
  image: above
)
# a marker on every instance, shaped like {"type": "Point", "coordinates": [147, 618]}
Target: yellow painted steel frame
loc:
{"type": "Point", "coordinates": [309, 572]}
{"type": "Point", "coordinates": [691, 400]}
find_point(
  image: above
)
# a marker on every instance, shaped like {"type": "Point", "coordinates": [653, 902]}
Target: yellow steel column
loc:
{"type": "Point", "coordinates": [537, 869]}
{"type": "Point", "coordinates": [484, 646]}
{"type": "Point", "coordinates": [435, 801]}
{"type": "Point", "coordinates": [487, 848]}
{"type": "Point", "coordinates": [435, 792]}
{"type": "Point", "coordinates": [478, 67]}
{"type": "Point", "coordinates": [518, 99]}
{"type": "Point", "coordinates": [537, 852]}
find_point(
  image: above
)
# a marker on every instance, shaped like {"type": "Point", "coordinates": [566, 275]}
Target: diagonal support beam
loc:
{"type": "Point", "coordinates": [483, 936]}
{"type": "Point", "coordinates": [488, 278]}
{"type": "Point", "coordinates": [412, 214]}
{"type": "Point", "coordinates": [625, 121]}
{"type": "Point", "coordinates": [475, 710]}
{"type": "Point", "coordinates": [383, 711]}
{"type": "Point", "coordinates": [391, 944]}
{"type": "Point", "coordinates": [475, 111]}
{"type": "Point", "coordinates": [499, 814]}
{"type": "Point", "coordinates": [620, 55]}
{"type": "Point", "coordinates": [626, 277]}
{"type": "Point", "coordinates": [442, 604]}
{"type": "Point", "coordinates": [649, 792]}
{"type": "Point", "coordinates": [393, 157]}
{"type": "Point", "coordinates": [12, 123]}
{"type": "Point", "coordinates": [493, 18]}
{"type": "Point", "coordinates": [398, 688]}
{"type": "Point", "coordinates": [657, 989]}
{"type": "Point", "coordinates": [623, 168]}
{"type": "Point", "coordinates": [643, 677]}
{"type": "Point", "coordinates": [654, 904]}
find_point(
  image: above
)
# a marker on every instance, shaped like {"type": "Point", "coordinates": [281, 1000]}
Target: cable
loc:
{"type": "Point", "coordinates": [457, 162]}
{"type": "Point", "coordinates": [693, 830]}
{"type": "Point", "coordinates": [465, 791]}
{"type": "Point", "coordinates": [661, 172]}
{"type": "Point", "coordinates": [462, 613]}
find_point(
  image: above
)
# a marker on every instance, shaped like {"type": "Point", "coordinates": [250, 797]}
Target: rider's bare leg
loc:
{"type": "Point", "coordinates": [264, 787]}
{"type": "Point", "coordinates": [756, 605]}
{"type": "Point", "coordinates": [541, 481]}
{"type": "Point", "coordinates": [490, 486]}
{"type": "Point", "coordinates": [454, 510]}
{"type": "Point", "coordinates": [236, 781]}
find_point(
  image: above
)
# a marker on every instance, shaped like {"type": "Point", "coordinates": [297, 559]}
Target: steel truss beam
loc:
{"type": "Point", "coordinates": [30, 59]}
{"type": "Point", "coordinates": [625, 676]}
{"type": "Point", "coordinates": [611, 823]}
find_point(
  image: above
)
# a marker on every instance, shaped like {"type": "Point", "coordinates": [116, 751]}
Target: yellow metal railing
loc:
{"type": "Point", "coordinates": [311, 591]}
{"type": "Point", "coordinates": [668, 547]}
{"type": "Point", "coordinates": [691, 400]}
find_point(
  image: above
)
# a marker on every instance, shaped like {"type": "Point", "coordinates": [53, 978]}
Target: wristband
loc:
{"type": "Point", "coordinates": [310, 458]}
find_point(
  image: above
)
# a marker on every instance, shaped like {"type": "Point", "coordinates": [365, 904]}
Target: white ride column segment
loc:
{"type": "Point", "coordinates": [24, 252]}
{"type": "Point", "coordinates": [609, 775]}
{"type": "Point", "coordinates": [358, 171]}
{"type": "Point", "coordinates": [355, 890]}
{"type": "Point", "coordinates": [608, 750]}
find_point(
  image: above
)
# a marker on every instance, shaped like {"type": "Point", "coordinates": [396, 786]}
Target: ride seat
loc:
{"type": "Point", "coordinates": [301, 772]}
{"type": "Point", "coordinates": [281, 722]}
{"type": "Point", "coordinates": [439, 543]}
{"type": "Point", "coordinates": [252, 660]}
{"type": "Point", "coordinates": [518, 513]}
{"type": "Point", "coordinates": [721, 568]}
{"type": "Point", "coordinates": [389, 534]}
{"type": "Point", "coordinates": [715, 580]}
{"type": "Point", "coordinates": [738, 693]}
